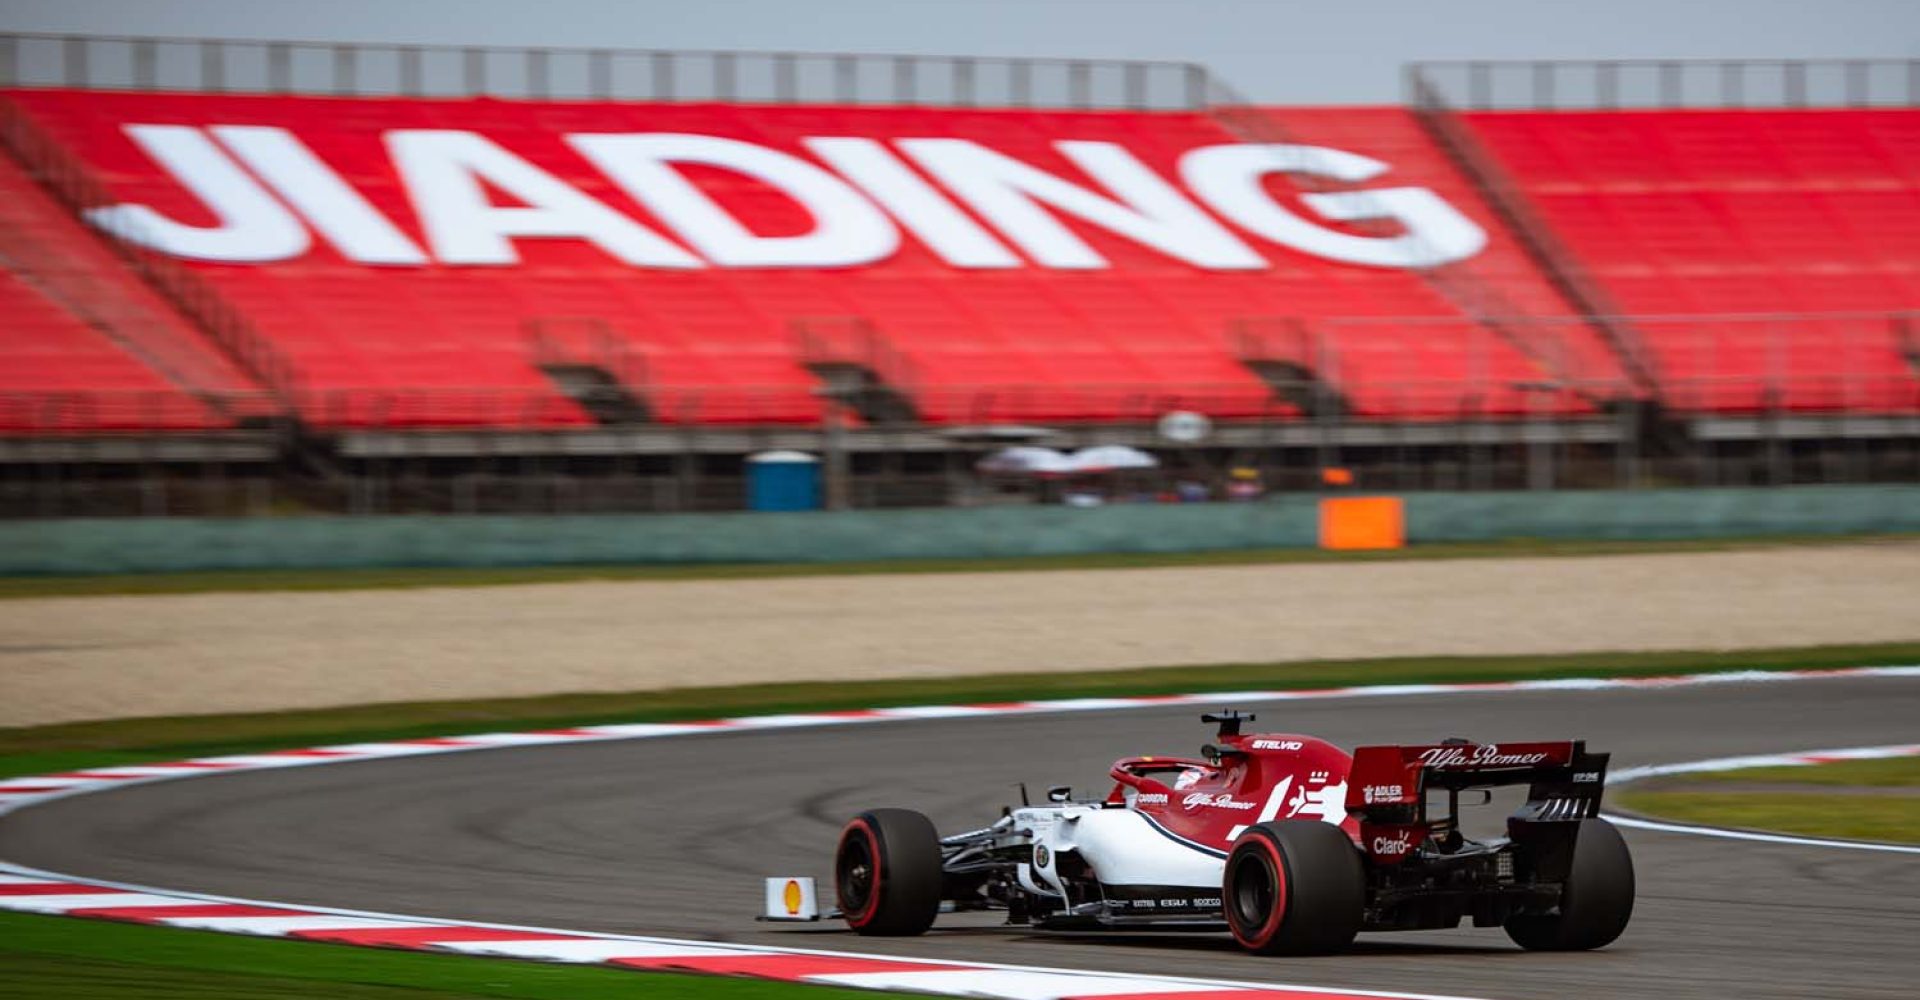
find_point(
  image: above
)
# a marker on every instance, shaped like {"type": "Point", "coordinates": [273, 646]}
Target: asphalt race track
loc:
{"type": "Point", "coordinates": [670, 837]}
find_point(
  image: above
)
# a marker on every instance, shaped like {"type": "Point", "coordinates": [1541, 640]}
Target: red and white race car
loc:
{"type": "Point", "coordinates": [1289, 842]}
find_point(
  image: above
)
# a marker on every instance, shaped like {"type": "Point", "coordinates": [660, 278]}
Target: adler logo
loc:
{"type": "Point", "coordinates": [1382, 793]}
{"type": "Point", "coordinates": [260, 193]}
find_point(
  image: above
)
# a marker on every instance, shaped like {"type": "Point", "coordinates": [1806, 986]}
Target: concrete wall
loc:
{"type": "Point", "coordinates": [160, 545]}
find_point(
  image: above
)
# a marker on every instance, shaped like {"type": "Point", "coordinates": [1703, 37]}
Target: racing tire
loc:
{"type": "Point", "coordinates": [1597, 900]}
{"type": "Point", "coordinates": [1294, 887]}
{"type": "Point", "coordinates": [888, 873]}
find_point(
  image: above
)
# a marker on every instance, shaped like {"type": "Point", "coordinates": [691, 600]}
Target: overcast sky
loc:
{"type": "Point", "coordinates": [1326, 51]}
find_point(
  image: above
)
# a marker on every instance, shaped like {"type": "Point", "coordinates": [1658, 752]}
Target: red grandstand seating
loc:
{"type": "Point", "coordinates": [58, 375]}
{"type": "Point", "coordinates": [444, 344]}
{"type": "Point", "coordinates": [1741, 212]}
{"type": "Point", "coordinates": [86, 341]}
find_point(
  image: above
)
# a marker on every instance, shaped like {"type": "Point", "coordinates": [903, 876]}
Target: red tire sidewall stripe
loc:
{"type": "Point", "coordinates": [1278, 915]}
{"type": "Point", "coordinates": [861, 827]}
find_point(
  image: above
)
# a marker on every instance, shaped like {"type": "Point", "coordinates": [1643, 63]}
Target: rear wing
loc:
{"type": "Point", "coordinates": [1387, 786]}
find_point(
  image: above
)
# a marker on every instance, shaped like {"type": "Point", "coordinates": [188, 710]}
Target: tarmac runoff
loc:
{"type": "Point", "coordinates": [1807, 758]}
{"type": "Point", "coordinates": [34, 890]}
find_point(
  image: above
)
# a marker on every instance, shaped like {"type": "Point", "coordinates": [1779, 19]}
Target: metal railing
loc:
{"type": "Point", "coordinates": [1561, 266]}
{"type": "Point", "coordinates": [69, 179]}
{"type": "Point", "coordinates": [1616, 84]}
{"type": "Point", "coordinates": [515, 450]}
{"type": "Point", "coordinates": [1446, 368]}
{"type": "Point", "coordinates": [1462, 282]}
{"type": "Point", "coordinates": [210, 65]}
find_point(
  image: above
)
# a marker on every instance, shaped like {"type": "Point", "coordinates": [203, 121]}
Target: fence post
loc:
{"type": "Point", "coordinates": [473, 70]}
{"type": "Point", "coordinates": [279, 68]}
{"type": "Point", "coordinates": [904, 80]}
{"type": "Point", "coordinates": [143, 64]}
{"type": "Point", "coordinates": [664, 84]}
{"type": "Point", "coordinates": [73, 57]}
{"type": "Point", "coordinates": [1079, 84]}
{"type": "Point", "coordinates": [411, 84]}
{"type": "Point", "coordinates": [600, 74]}
{"type": "Point", "coordinates": [537, 82]}
{"type": "Point", "coordinates": [786, 83]}
{"type": "Point", "coordinates": [846, 79]}
{"type": "Point", "coordinates": [346, 69]}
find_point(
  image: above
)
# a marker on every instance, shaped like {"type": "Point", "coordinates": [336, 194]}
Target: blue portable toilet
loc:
{"type": "Point", "coordinates": [783, 480]}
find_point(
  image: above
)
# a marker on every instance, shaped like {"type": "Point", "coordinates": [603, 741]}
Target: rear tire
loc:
{"type": "Point", "coordinates": [1597, 901]}
{"type": "Point", "coordinates": [888, 873]}
{"type": "Point", "coordinates": [1294, 887]}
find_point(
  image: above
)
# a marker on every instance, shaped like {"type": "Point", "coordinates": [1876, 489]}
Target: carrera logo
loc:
{"type": "Point", "coordinates": [1150, 799]}
{"type": "Point", "coordinates": [1277, 744]}
{"type": "Point", "coordinates": [1221, 801]}
{"type": "Point", "coordinates": [1382, 793]}
{"type": "Point", "coordinates": [260, 193]}
{"type": "Point", "coordinates": [1484, 755]}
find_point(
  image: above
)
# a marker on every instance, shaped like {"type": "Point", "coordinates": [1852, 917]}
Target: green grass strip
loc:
{"type": "Point", "coordinates": [62, 958]}
{"type": "Point", "coordinates": [390, 578]}
{"type": "Point", "coordinates": [1884, 772]}
{"type": "Point", "coordinates": [1788, 800]}
{"type": "Point", "coordinates": [92, 744]}
{"type": "Point", "coordinates": [1893, 819]}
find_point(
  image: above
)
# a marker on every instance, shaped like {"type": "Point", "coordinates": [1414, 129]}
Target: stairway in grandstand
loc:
{"type": "Point", "coordinates": [1781, 246]}
{"type": "Point", "coordinates": [1500, 291]}
{"type": "Point", "coordinates": [88, 345]}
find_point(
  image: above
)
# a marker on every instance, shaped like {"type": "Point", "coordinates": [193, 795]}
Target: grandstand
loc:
{"type": "Point", "coordinates": [412, 278]}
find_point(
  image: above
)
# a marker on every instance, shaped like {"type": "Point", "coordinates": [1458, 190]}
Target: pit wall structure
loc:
{"type": "Point", "coordinates": [152, 545]}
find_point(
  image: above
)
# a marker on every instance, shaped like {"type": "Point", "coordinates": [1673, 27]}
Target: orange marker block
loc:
{"type": "Point", "coordinates": [1362, 523]}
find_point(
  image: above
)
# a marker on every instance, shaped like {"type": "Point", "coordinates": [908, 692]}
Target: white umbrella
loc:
{"type": "Point", "coordinates": [1110, 458]}
{"type": "Point", "coordinates": [1025, 460]}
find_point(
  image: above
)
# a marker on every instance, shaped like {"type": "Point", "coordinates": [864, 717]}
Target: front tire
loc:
{"type": "Point", "coordinates": [1597, 900]}
{"type": "Point", "coordinates": [1295, 887]}
{"type": "Point", "coordinates": [888, 873]}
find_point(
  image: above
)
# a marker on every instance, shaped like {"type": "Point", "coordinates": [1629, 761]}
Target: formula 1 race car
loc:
{"type": "Point", "coordinates": [1290, 843]}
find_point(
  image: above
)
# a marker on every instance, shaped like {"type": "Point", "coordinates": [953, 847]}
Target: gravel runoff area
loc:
{"type": "Point", "coordinates": [72, 658]}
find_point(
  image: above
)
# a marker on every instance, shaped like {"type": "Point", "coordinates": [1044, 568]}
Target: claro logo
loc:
{"type": "Point", "coordinates": [1393, 846]}
{"type": "Point", "coordinates": [269, 196]}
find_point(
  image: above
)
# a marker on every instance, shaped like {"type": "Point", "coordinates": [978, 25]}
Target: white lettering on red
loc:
{"type": "Point", "coordinates": [1485, 755]}
{"type": "Point", "coordinates": [252, 227]}
{"type": "Point", "coordinates": [858, 206]}
{"type": "Point", "coordinates": [443, 171]}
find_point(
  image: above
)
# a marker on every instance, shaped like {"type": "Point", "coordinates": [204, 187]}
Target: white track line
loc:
{"type": "Point", "coordinates": [1805, 758]}
{"type": "Point", "coordinates": [26, 889]}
